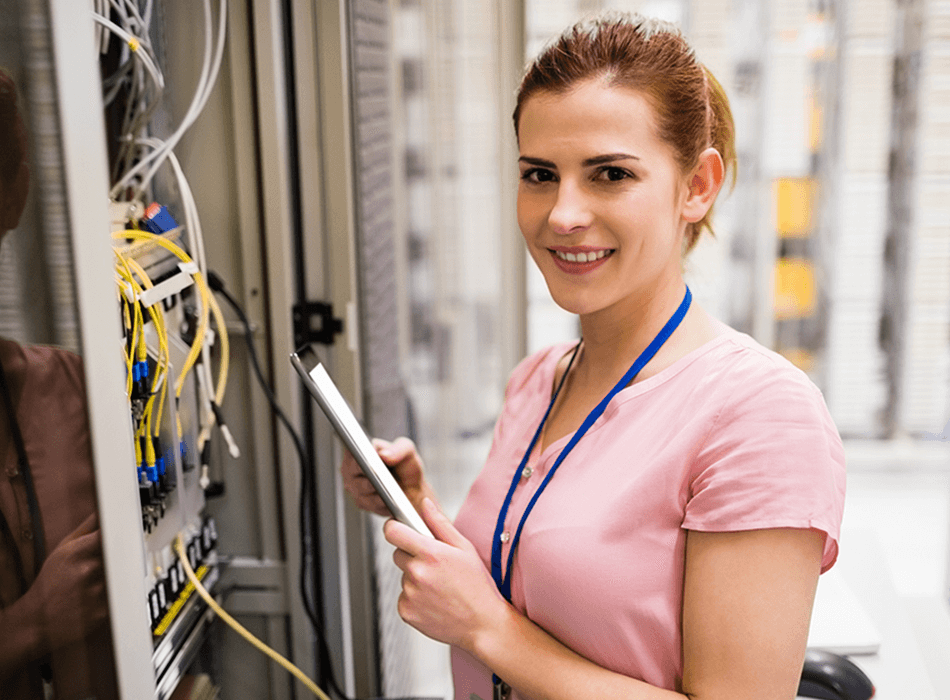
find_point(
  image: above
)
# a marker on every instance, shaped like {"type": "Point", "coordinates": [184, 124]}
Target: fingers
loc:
{"type": "Point", "coordinates": [392, 452]}
{"type": "Point", "coordinates": [89, 546]}
{"type": "Point", "coordinates": [404, 537]}
{"type": "Point", "coordinates": [403, 460]}
{"type": "Point", "coordinates": [87, 526]}
{"type": "Point", "coordinates": [364, 495]}
{"type": "Point", "coordinates": [441, 526]}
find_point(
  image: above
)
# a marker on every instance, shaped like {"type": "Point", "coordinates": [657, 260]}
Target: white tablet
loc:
{"type": "Point", "coordinates": [314, 374]}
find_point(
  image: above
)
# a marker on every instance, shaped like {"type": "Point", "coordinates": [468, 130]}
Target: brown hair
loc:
{"type": "Point", "coordinates": [652, 57]}
{"type": "Point", "coordinates": [12, 133]}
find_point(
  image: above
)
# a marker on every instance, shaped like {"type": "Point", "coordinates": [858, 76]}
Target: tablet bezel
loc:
{"type": "Point", "coordinates": [312, 370]}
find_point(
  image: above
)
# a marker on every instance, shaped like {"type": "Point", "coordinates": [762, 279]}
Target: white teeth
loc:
{"type": "Point", "coordinates": [582, 257]}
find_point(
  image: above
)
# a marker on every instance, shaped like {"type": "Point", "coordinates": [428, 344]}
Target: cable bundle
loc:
{"type": "Point", "coordinates": [141, 154]}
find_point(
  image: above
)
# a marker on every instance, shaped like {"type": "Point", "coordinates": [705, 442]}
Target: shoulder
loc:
{"type": "Point", "coordinates": [41, 368]}
{"type": "Point", "coordinates": [752, 377]}
{"type": "Point", "coordinates": [772, 457]}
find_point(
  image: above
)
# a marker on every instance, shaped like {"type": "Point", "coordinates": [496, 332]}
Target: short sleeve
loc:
{"type": "Point", "coordinates": [772, 459]}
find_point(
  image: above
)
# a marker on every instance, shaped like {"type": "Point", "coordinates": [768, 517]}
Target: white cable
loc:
{"type": "Point", "coordinates": [206, 81]}
{"type": "Point", "coordinates": [204, 91]}
{"type": "Point", "coordinates": [130, 11]}
{"type": "Point", "coordinates": [196, 246]}
{"type": "Point", "coordinates": [141, 52]}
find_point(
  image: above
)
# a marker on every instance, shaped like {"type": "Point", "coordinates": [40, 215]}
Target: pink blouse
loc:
{"type": "Point", "coordinates": [730, 437]}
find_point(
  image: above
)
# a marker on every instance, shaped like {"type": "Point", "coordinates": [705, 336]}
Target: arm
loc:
{"type": "Point", "coordinates": [21, 634]}
{"type": "Point", "coordinates": [747, 605]}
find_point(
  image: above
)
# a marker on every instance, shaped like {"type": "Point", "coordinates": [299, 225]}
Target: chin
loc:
{"type": "Point", "coordinates": [578, 304]}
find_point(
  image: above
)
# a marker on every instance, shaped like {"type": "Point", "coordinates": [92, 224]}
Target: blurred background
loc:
{"type": "Point", "coordinates": [361, 152]}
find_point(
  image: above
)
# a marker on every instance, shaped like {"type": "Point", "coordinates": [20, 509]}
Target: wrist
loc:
{"type": "Point", "coordinates": [487, 641]}
{"type": "Point", "coordinates": [22, 638]}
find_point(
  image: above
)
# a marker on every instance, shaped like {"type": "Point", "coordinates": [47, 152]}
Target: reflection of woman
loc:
{"type": "Point", "coordinates": [52, 592]}
{"type": "Point", "coordinates": [677, 547]}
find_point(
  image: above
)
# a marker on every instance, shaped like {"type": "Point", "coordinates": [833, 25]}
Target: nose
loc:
{"type": "Point", "coordinates": [571, 211]}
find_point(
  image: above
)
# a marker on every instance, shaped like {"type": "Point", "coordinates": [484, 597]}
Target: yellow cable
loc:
{"type": "Point", "coordinates": [225, 358]}
{"type": "Point", "coordinates": [124, 272]}
{"type": "Point", "coordinates": [236, 626]}
{"type": "Point", "coordinates": [147, 432]}
{"type": "Point", "coordinates": [127, 319]}
{"type": "Point", "coordinates": [204, 293]}
{"type": "Point", "coordinates": [223, 362]}
{"type": "Point", "coordinates": [158, 319]}
{"type": "Point", "coordinates": [138, 449]}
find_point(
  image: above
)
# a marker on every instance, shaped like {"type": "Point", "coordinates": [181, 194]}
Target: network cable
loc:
{"type": "Point", "coordinates": [238, 627]}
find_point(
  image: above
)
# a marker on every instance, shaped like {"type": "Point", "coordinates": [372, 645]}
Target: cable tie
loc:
{"type": "Point", "coordinates": [133, 43]}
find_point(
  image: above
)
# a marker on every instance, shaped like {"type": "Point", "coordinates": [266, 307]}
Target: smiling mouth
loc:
{"type": "Point", "coordinates": [583, 257]}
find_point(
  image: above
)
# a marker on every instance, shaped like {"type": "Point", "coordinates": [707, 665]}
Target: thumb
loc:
{"type": "Point", "coordinates": [441, 526]}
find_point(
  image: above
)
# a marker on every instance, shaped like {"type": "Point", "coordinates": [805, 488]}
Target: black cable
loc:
{"type": "Point", "coordinates": [217, 285]}
{"type": "Point", "coordinates": [306, 466]}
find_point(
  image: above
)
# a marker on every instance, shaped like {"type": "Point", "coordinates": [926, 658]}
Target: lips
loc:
{"type": "Point", "coordinates": [580, 260]}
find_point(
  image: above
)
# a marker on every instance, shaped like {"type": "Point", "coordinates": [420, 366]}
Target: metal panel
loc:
{"type": "Point", "coordinates": [384, 394]}
{"type": "Point", "coordinates": [83, 144]}
{"type": "Point", "coordinates": [267, 26]}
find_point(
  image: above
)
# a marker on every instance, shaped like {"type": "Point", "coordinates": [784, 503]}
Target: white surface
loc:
{"type": "Point", "coordinates": [897, 670]}
{"type": "Point", "coordinates": [839, 622]}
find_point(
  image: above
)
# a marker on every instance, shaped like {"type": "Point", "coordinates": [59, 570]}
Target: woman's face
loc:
{"type": "Point", "coordinates": [601, 199]}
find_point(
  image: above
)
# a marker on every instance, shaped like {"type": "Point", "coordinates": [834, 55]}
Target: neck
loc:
{"type": "Point", "coordinates": [615, 336]}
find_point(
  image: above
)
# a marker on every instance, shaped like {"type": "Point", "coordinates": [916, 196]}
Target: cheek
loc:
{"type": "Point", "coordinates": [529, 214]}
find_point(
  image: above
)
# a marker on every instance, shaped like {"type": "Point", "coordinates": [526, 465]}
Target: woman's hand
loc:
{"type": "Point", "coordinates": [447, 593]}
{"type": "Point", "coordinates": [405, 464]}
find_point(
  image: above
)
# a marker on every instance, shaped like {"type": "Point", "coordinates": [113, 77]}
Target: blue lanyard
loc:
{"type": "Point", "coordinates": [504, 583]}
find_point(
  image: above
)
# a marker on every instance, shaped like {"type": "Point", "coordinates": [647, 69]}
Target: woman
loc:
{"type": "Point", "coordinates": [698, 480]}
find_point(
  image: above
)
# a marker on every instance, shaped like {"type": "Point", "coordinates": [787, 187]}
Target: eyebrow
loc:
{"type": "Point", "coordinates": [596, 160]}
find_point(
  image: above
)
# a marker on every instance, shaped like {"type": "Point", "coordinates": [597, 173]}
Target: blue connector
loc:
{"type": "Point", "coordinates": [158, 219]}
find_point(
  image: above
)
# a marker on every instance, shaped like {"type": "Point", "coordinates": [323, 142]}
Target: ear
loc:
{"type": "Point", "coordinates": [703, 185]}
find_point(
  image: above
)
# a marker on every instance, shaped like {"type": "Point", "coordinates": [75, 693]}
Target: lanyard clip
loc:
{"type": "Point", "coordinates": [501, 690]}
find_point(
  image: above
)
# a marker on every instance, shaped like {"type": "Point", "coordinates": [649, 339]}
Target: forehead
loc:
{"type": "Point", "coordinates": [591, 117]}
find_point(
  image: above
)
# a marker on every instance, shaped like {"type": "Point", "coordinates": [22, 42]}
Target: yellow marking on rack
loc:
{"type": "Point", "coordinates": [180, 603]}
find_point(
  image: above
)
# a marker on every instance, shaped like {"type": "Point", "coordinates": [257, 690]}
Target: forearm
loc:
{"type": "Point", "coordinates": [21, 635]}
{"type": "Point", "coordinates": [539, 667]}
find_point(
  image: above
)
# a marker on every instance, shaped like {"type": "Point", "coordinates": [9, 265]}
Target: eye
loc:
{"type": "Point", "coordinates": [538, 175]}
{"type": "Point", "coordinates": [612, 173]}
